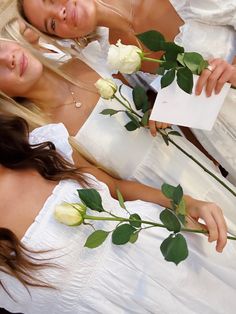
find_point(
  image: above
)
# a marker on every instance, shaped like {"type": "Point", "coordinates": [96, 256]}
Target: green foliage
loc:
{"type": "Point", "coordinates": [168, 190]}
{"type": "Point", "coordinates": [174, 59]}
{"type": "Point", "coordinates": [120, 199]}
{"type": "Point", "coordinates": [131, 126]}
{"type": "Point", "coordinates": [134, 237]}
{"type": "Point", "coordinates": [96, 239]}
{"type": "Point", "coordinates": [185, 80]}
{"type": "Point", "coordinates": [110, 112]}
{"type": "Point", "coordinates": [145, 118]}
{"type": "Point", "coordinates": [170, 221]}
{"type": "Point", "coordinates": [135, 220]}
{"type": "Point", "coordinates": [174, 248]}
{"type": "Point", "coordinates": [140, 99]}
{"type": "Point", "coordinates": [91, 198]}
{"type": "Point", "coordinates": [133, 118]}
{"type": "Point", "coordinates": [193, 60]}
{"type": "Point", "coordinates": [168, 78]}
{"type": "Point", "coordinates": [122, 234]}
{"type": "Point", "coordinates": [177, 194]}
{"type": "Point", "coordinates": [153, 40]}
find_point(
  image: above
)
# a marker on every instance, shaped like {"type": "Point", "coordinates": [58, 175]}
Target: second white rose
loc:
{"type": "Point", "coordinates": [106, 87]}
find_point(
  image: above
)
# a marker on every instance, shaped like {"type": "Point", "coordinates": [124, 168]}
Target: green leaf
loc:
{"type": "Point", "coordinates": [120, 199]}
{"type": "Point", "coordinates": [168, 78]}
{"type": "Point", "coordinates": [193, 60]}
{"type": "Point", "coordinates": [176, 133]}
{"type": "Point", "coordinates": [135, 220]}
{"type": "Point", "coordinates": [169, 65]}
{"type": "Point", "coordinates": [145, 118]}
{"type": "Point", "coordinates": [168, 190]}
{"type": "Point", "coordinates": [131, 126]}
{"type": "Point", "coordinates": [182, 219]}
{"type": "Point", "coordinates": [174, 248]}
{"type": "Point", "coordinates": [140, 98]}
{"type": "Point", "coordinates": [153, 40]}
{"type": "Point", "coordinates": [203, 65]}
{"type": "Point", "coordinates": [165, 138]}
{"type": "Point", "coordinates": [134, 237]}
{"type": "Point", "coordinates": [185, 80]}
{"type": "Point", "coordinates": [110, 112]}
{"type": "Point", "coordinates": [96, 239]}
{"type": "Point", "coordinates": [91, 198]}
{"type": "Point", "coordinates": [171, 51]}
{"type": "Point", "coordinates": [160, 70]}
{"type": "Point", "coordinates": [122, 234]}
{"type": "Point", "coordinates": [133, 118]}
{"type": "Point", "coordinates": [181, 208]}
{"type": "Point", "coordinates": [170, 221]}
{"type": "Point", "coordinates": [178, 194]}
{"type": "Point", "coordinates": [180, 58]}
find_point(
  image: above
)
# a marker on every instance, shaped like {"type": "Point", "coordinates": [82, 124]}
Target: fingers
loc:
{"type": "Point", "coordinates": [222, 229]}
{"type": "Point", "coordinates": [214, 77]}
{"type": "Point", "coordinates": [214, 220]}
{"type": "Point", "coordinates": [155, 125]}
{"type": "Point", "coordinates": [152, 127]}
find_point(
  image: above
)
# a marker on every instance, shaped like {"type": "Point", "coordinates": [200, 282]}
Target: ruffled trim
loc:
{"type": "Point", "coordinates": [55, 133]}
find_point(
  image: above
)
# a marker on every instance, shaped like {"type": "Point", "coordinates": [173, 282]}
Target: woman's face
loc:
{"type": "Point", "coordinates": [62, 18]}
{"type": "Point", "coordinates": [19, 70]}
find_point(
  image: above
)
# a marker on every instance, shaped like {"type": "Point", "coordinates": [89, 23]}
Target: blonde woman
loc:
{"type": "Point", "coordinates": [189, 23]}
{"type": "Point", "coordinates": [132, 155]}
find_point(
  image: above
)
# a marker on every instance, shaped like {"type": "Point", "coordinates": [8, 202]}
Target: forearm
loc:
{"type": "Point", "coordinates": [137, 191]}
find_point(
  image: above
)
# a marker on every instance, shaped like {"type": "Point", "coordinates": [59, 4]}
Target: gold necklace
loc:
{"type": "Point", "coordinates": [76, 102]}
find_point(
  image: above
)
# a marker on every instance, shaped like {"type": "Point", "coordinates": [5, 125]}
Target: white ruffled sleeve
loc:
{"type": "Point", "coordinates": [55, 133]}
{"type": "Point", "coordinates": [214, 12]}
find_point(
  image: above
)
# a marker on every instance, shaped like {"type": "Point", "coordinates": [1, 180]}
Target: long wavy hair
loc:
{"type": "Point", "coordinates": [16, 153]}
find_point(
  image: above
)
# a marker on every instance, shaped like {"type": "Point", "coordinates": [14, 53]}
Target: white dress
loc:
{"type": "Point", "coordinates": [118, 279]}
{"type": "Point", "coordinates": [210, 28]}
{"type": "Point", "coordinates": [138, 156]}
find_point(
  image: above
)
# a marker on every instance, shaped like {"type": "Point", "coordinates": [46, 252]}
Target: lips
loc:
{"type": "Point", "coordinates": [73, 16]}
{"type": "Point", "coordinates": [23, 64]}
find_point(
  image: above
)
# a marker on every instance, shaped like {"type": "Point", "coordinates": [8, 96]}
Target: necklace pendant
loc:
{"type": "Point", "coordinates": [78, 104]}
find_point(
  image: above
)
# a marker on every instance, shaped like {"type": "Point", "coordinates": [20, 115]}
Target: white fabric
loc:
{"type": "Point", "coordinates": [118, 279]}
{"type": "Point", "coordinates": [210, 29]}
{"type": "Point", "coordinates": [137, 155]}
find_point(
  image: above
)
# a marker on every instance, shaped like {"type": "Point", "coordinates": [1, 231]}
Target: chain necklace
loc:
{"type": "Point", "coordinates": [76, 102]}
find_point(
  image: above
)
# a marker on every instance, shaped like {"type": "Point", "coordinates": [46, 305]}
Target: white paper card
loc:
{"type": "Point", "coordinates": [174, 106]}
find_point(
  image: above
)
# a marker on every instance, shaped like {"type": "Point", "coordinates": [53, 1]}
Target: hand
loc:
{"type": "Point", "coordinates": [155, 125]}
{"type": "Point", "coordinates": [213, 218]}
{"type": "Point", "coordinates": [214, 77]}
{"type": "Point", "coordinates": [233, 77]}
{"type": "Point", "coordinates": [29, 34]}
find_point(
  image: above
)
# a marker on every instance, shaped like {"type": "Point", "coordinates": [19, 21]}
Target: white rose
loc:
{"type": "Point", "coordinates": [124, 58]}
{"type": "Point", "coordinates": [106, 87]}
{"type": "Point", "coordinates": [70, 214]}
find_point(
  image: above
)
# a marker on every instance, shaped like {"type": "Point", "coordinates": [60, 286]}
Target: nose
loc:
{"type": "Point", "coordinates": [8, 59]}
{"type": "Point", "coordinates": [61, 13]}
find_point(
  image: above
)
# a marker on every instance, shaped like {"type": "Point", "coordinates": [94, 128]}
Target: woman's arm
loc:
{"type": "Point", "coordinates": [209, 212]}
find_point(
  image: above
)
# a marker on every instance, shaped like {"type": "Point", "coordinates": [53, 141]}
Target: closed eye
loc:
{"type": "Point", "coordinates": [53, 25]}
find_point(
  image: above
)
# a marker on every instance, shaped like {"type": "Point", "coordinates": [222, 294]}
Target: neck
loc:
{"type": "Point", "coordinates": [50, 91]}
{"type": "Point", "coordinates": [117, 17]}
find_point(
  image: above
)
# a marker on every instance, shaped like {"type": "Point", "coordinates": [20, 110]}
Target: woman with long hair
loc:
{"type": "Point", "coordinates": [191, 24]}
{"type": "Point", "coordinates": [44, 265]}
{"type": "Point", "coordinates": [131, 155]}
